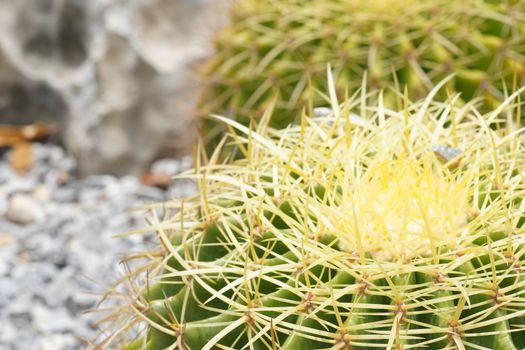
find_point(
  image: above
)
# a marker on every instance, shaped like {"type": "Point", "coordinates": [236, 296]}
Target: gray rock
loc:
{"type": "Point", "coordinates": [42, 246]}
{"type": "Point", "coordinates": [150, 194]}
{"type": "Point", "coordinates": [3, 202]}
{"type": "Point", "coordinates": [181, 188]}
{"type": "Point", "coordinates": [166, 166]}
{"type": "Point", "coordinates": [90, 195]}
{"type": "Point", "coordinates": [65, 194]}
{"type": "Point", "coordinates": [22, 319]}
{"type": "Point", "coordinates": [42, 193]}
{"type": "Point", "coordinates": [20, 183]}
{"type": "Point", "coordinates": [4, 269]}
{"type": "Point", "coordinates": [52, 320]}
{"type": "Point", "coordinates": [116, 76]}
{"type": "Point", "coordinates": [57, 342]}
{"type": "Point", "coordinates": [24, 209]}
{"type": "Point", "coordinates": [80, 301]}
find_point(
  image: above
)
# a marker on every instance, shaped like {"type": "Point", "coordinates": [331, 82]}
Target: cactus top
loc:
{"type": "Point", "coordinates": [400, 208]}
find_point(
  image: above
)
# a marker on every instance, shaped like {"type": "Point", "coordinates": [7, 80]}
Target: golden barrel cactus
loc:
{"type": "Point", "coordinates": [364, 227]}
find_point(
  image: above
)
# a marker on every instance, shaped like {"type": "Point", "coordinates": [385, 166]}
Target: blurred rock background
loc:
{"type": "Point", "coordinates": [117, 77]}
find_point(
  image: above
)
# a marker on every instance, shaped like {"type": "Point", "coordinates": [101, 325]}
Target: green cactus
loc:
{"type": "Point", "coordinates": [275, 52]}
{"type": "Point", "coordinates": [364, 228]}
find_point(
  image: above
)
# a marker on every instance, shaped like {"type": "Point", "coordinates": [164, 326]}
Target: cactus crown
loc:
{"type": "Point", "coordinates": [363, 228]}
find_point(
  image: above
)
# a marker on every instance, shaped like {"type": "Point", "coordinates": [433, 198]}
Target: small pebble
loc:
{"type": "Point", "coordinates": [42, 193]}
{"type": "Point", "coordinates": [23, 209]}
{"type": "Point", "coordinates": [57, 341]}
{"type": "Point", "coordinates": [3, 203]}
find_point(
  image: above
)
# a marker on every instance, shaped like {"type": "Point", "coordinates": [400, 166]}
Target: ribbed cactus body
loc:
{"type": "Point", "coordinates": [365, 228]}
{"type": "Point", "coordinates": [278, 50]}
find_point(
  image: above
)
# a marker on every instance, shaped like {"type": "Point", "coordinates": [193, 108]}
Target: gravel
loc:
{"type": "Point", "coordinates": [58, 253]}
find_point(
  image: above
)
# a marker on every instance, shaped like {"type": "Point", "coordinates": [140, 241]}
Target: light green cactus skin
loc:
{"type": "Point", "coordinates": [274, 252]}
{"type": "Point", "coordinates": [278, 49]}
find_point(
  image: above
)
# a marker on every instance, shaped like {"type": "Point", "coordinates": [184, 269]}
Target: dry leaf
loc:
{"type": "Point", "coordinates": [10, 135]}
{"type": "Point", "coordinates": [22, 157]}
{"type": "Point", "coordinates": [161, 180]}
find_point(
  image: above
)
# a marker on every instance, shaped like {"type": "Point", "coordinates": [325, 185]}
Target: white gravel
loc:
{"type": "Point", "coordinates": [57, 251]}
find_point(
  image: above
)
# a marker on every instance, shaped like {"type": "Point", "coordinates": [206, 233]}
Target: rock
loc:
{"type": "Point", "coordinates": [57, 342]}
{"type": "Point", "coordinates": [24, 209]}
{"type": "Point", "coordinates": [3, 202]}
{"type": "Point", "coordinates": [21, 183]}
{"type": "Point", "coordinates": [150, 194]}
{"type": "Point", "coordinates": [22, 319]}
{"type": "Point", "coordinates": [52, 321]}
{"type": "Point", "coordinates": [65, 194]}
{"type": "Point", "coordinates": [43, 246]}
{"type": "Point", "coordinates": [4, 269]}
{"type": "Point", "coordinates": [42, 193]}
{"type": "Point", "coordinates": [167, 166]}
{"type": "Point", "coordinates": [58, 290]}
{"type": "Point", "coordinates": [7, 335]}
{"type": "Point", "coordinates": [116, 76]}
{"type": "Point", "coordinates": [79, 302]}
{"type": "Point", "coordinates": [181, 188]}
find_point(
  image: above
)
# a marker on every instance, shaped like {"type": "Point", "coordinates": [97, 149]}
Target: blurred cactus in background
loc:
{"type": "Point", "coordinates": [277, 51]}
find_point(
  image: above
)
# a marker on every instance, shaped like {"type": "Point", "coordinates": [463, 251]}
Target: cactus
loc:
{"type": "Point", "coordinates": [274, 52]}
{"type": "Point", "coordinates": [362, 228]}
